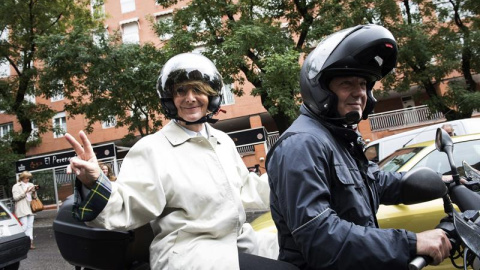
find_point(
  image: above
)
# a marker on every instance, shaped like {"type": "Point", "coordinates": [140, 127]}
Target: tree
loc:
{"type": "Point", "coordinates": [262, 41]}
{"type": "Point", "coordinates": [24, 24]}
{"type": "Point", "coordinates": [432, 49]}
{"type": "Point", "coordinates": [7, 165]}
{"type": "Point", "coordinates": [107, 80]}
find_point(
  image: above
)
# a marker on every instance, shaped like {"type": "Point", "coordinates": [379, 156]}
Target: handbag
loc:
{"type": "Point", "coordinates": [36, 205]}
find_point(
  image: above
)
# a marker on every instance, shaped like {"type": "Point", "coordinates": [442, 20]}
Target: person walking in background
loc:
{"type": "Point", "coordinates": [107, 170]}
{"type": "Point", "coordinates": [23, 192]}
{"type": "Point", "coordinates": [449, 129]}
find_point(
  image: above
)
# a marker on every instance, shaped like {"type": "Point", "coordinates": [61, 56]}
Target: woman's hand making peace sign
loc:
{"type": "Point", "coordinates": [85, 164]}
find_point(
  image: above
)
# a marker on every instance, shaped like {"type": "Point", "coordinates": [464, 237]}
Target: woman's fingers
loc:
{"type": "Point", "coordinates": [87, 146]}
{"type": "Point", "coordinates": [84, 165]}
{"type": "Point", "coordinates": [77, 147]}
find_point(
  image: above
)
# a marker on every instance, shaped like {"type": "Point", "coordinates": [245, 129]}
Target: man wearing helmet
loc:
{"type": "Point", "coordinates": [187, 180]}
{"type": "Point", "coordinates": [324, 191]}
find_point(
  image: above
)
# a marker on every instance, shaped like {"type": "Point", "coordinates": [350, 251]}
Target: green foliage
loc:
{"type": "Point", "coordinates": [106, 79]}
{"type": "Point", "coordinates": [435, 38]}
{"type": "Point", "coordinates": [7, 165]}
{"type": "Point", "coordinates": [255, 42]}
{"type": "Point", "coordinates": [24, 25]}
{"type": "Point", "coordinates": [430, 50]}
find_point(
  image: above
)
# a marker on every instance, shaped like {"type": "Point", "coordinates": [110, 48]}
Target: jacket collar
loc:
{"type": "Point", "coordinates": [339, 131]}
{"type": "Point", "coordinates": [176, 135]}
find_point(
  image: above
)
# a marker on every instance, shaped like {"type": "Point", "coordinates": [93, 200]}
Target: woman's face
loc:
{"type": "Point", "coordinates": [191, 104]}
{"type": "Point", "coordinates": [105, 170]}
{"type": "Point", "coordinates": [25, 179]}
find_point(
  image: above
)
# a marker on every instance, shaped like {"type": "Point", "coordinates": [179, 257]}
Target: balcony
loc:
{"type": "Point", "coordinates": [403, 118]}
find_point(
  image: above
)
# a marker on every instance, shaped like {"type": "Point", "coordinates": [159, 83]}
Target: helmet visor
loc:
{"type": "Point", "coordinates": [188, 67]}
{"type": "Point", "coordinates": [324, 49]}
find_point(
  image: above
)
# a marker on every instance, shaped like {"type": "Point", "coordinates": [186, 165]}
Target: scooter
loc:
{"type": "Point", "coordinates": [94, 248]}
{"type": "Point", "coordinates": [462, 228]}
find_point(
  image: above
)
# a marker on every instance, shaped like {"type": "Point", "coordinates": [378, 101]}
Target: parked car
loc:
{"type": "Point", "coordinates": [14, 243]}
{"type": "Point", "coordinates": [379, 149]}
{"type": "Point", "coordinates": [422, 216]}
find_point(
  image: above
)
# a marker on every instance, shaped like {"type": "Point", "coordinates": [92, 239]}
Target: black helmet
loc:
{"type": "Point", "coordinates": [369, 51]}
{"type": "Point", "coordinates": [188, 67]}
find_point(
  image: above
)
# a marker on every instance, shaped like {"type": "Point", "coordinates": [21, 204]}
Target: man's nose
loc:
{"type": "Point", "coordinates": [359, 90]}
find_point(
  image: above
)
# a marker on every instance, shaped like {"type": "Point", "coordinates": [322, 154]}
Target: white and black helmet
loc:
{"type": "Point", "coordinates": [369, 51]}
{"type": "Point", "coordinates": [188, 67]}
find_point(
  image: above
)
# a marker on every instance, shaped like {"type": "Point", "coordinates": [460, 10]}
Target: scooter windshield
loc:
{"type": "Point", "coordinates": [468, 231]}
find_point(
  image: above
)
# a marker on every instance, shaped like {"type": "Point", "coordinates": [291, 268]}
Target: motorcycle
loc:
{"type": "Point", "coordinates": [462, 228]}
{"type": "Point", "coordinates": [94, 248]}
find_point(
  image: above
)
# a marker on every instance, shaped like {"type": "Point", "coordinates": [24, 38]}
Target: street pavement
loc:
{"type": "Point", "coordinates": [46, 256]}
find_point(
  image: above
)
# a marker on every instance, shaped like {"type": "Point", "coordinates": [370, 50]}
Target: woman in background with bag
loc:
{"type": "Point", "coordinates": [23, 192]}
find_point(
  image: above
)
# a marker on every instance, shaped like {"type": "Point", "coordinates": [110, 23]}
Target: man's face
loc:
{"type": "Point", "coordinates": [351, 92]}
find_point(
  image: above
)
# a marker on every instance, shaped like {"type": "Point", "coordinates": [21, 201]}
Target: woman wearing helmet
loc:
{"type": "Point", "coordinates": [187, 180]}
{"type": "Point", "coordinates": [325, 199]}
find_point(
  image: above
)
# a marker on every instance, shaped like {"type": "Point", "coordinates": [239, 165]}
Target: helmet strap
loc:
{"type": "Point", "coordinates": [351, 119]}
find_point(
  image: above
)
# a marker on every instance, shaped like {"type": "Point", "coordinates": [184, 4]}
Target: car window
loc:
{"type": "Point", "coordinates": [398, 158]}
{"type": "Point", "coordinates": [463, 151]}
{"type": "Point", "coordinates": [3, 214]}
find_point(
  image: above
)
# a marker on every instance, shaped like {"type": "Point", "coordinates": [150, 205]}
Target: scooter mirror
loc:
{"type": "Point", "coordinates": [421, 185]}
{"type": "Point", "coordinates": [443, 142]}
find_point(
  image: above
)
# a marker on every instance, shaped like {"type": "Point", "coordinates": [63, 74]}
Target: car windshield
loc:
{"type": "Point", "coordinates": [396, 160]}
{"type": "Point", "coordinates": [468, 151]}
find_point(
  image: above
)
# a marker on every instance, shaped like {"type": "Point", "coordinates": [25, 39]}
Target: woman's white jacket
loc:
{"type": "Point", "coordinates": [194, 191]}
{"type": "Point", "coordinates": [22, 205]}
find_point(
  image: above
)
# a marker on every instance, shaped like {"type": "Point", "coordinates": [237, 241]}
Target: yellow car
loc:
{"type": "Point", "coordinates": [422, 216]}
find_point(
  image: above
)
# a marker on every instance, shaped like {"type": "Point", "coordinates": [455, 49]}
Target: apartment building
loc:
{"type": "Point", "coordinates": [244, 118]}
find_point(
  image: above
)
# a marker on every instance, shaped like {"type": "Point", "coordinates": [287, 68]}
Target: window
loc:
{"type": "Point", "coordinates": [111, 122]}
{"type": "Point", "coordinates": [130, 32]}
{"type": "Point", "coordinates": [164, 18]}
{"type": "Point", "coordinates": [396, 160]}
{"type": "Point", "coordinates": [30, 98]}
{"type": "Point", "coordinates": [4, 65]}
{"type": "Point", "coordinates": [57, 97]}
{"type": "Point", "coordinates": [34, 134]}
{"type": "Point", "coordinates": [4, 68]}
{"type": "Point", "coordinates": [228, 97]}
{"type": "Point", "coordinates": [140, 112]}
{"type": "Point", "coordinates": [20, 62]}
{"type": "Point", "coordinates": [468, 151]}
{"type": "Point", "coordinates": [59, 125]}
{"type": "Point", "coordinates": [5, 129]}
{"type": "Point", "coordinates": [198, 26]}
{"type": "Point", "coordinates": [97, 37]}
{"type": "Point", "coordinates": [127, 5]}
{"type": "Point", "coordinates": [97, 7]}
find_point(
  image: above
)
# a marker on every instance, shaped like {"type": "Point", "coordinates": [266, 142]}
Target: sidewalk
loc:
{"type": "Point", "coordinates": [45, 218]}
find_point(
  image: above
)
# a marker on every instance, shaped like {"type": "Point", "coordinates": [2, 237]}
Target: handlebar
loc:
{"type": "Point", "coordinates": [419, 263]}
